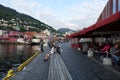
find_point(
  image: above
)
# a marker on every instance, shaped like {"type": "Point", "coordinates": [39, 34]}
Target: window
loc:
{"type": "Point", "coordinates": [108, 8]}
{"type": "Point", "coordinates": [106, 11]}
{"type": "Point", "coordinates": [114, 6]}
{"type": "Point", "coordinates": [103, 14]}
{"type": "Point", "coordinates": [118, 5]}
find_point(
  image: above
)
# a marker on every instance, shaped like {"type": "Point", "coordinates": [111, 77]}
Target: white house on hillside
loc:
{"type": "Point", "coordinates": [47, 32]}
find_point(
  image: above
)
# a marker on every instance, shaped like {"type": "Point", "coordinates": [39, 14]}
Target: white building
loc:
{"type": "Point", "coordinates": [47, 32]}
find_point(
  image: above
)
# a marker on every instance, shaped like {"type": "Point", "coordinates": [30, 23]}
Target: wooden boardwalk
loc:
{"type": "Point", "coordinates": [36, 70]}
{"type": "Point", "coordinates": [57, 69]}
{"type": "Point", "coordinates": [72, 66]}
{"type": "Point", "coordinates": [53, 69]}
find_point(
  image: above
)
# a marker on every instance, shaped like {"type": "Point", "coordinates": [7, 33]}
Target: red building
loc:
{"type": "Point", "coordinates": [110, 8]}
{"type": "Point", "coordinates": [107, 25]}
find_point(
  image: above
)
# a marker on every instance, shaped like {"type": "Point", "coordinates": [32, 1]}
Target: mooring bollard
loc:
{"type": "Point", "coordinates": [90, 53]}
{"type": "Point", "coordinates": [79, 49]}
{"type": "Point", "coordinates": [107, 61]}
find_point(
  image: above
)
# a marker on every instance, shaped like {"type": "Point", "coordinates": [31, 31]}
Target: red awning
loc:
{"type": "Point", "coordinates": [108, 24]}
{"type": "Point", "coordinates": [91, 28]}
{"type": "Point", "coordinates": [113, 18]}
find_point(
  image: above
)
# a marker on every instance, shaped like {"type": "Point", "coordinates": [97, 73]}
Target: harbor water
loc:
{"type": "Point", "coordinates": [11, 56]}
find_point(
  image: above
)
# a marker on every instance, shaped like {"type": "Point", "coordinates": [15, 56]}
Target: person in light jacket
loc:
{"type": "Point", "coordinates": [52, 51]}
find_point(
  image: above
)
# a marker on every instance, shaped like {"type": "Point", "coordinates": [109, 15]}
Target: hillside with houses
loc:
{"type": "Point", "coordinates": [10, 19]}
{"type": "Point", "coordinates": [19, 28]}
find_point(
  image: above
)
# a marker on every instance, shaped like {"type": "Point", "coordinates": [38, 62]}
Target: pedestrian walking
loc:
{"type": "Point", "coordinates": [42, 43]}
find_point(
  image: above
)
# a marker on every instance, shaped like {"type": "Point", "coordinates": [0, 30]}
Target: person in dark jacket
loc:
{"type": "Point", "coordinates": [42, 43]}
{"type": "Point", "coordinates": [58, 49]}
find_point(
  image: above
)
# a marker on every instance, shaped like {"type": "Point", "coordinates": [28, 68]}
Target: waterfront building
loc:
{"type": "Point", "coordinates": [106, 26]}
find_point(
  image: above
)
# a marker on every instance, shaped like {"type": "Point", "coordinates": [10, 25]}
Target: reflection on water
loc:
{"type": "Point", "coordinates": [13, 55]}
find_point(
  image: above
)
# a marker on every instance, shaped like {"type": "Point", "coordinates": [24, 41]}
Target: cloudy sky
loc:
{"type": "Point", "coordinates": [73, 14]}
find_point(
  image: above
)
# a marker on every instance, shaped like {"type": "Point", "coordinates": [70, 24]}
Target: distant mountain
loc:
{"type": "Point", "coordinates": [10, 18]}
{"type": "Point", "coordinates": [63, 30]}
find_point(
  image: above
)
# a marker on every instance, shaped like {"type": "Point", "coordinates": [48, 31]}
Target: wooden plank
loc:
{"type": "Point", "coordinates": [61, 70]}
{"type": "Point", "coordinates": [64, 69]}
{"type": "Point", "coordinates": [37, 69]}
{"type": "Point", "coordinates": [57, 69]}
{"type": "Point", "coordinates": [50, 75]}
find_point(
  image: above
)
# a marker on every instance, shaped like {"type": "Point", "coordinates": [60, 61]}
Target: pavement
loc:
{"type": "Point", "coordinates": [82, 67]}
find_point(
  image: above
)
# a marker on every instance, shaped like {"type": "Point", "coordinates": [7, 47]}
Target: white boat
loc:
{"type": "Point", "coordinates": [35, 41]}
{"type": "Point", "coordinates": [20, 40]}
